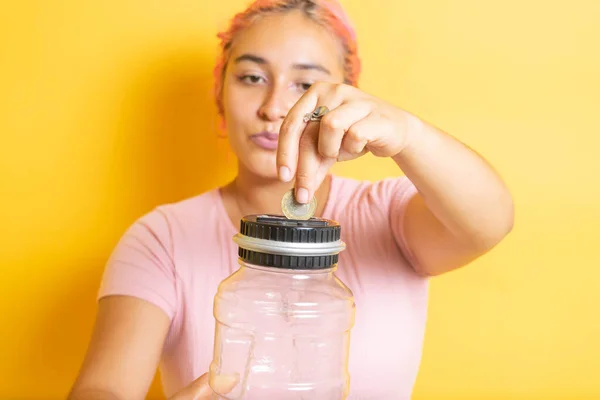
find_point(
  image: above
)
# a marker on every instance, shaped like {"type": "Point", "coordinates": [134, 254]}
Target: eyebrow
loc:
{"type": "Point", "coordinates": [301, 66]}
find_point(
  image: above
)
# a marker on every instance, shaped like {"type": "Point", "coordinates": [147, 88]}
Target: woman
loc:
{"type": "Point", "coordinates": [280, 61]}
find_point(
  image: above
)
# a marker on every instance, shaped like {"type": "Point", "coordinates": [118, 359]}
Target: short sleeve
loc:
{"type": "Point", "coordinates": [393, 196]}
{"type": "Point", "coordinates": [141, 265]}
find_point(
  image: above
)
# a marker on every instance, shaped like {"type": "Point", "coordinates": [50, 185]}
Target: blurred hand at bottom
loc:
{"type": "Point", "coordinates": [201, 390]}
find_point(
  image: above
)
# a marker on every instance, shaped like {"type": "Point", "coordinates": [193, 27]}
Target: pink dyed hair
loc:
{"type": "Point", "coordinates": [328, 13]}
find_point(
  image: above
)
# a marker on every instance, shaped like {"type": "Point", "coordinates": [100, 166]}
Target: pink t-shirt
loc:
{"type": "Point", "coordinates": [176, 255]}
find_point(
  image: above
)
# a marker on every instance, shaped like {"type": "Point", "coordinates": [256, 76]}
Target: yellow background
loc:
{"type": "Point", "coordinates": [106, 111]}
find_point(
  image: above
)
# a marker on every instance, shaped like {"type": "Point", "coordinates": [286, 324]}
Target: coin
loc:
{"type": "Point", "coordinates": [294, 210]}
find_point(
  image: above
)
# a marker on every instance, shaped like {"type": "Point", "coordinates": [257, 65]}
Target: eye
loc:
{"type": "Point", "coordinates": [304, 86]}
{"type": "Point", "coordinates": [251, 79]}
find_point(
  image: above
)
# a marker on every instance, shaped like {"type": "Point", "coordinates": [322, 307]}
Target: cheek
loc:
{"type": "Point", "coordinates": [239, 103]}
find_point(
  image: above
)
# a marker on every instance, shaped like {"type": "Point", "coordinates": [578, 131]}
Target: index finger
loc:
{"type": "Point", "coordinates": [290, 133]}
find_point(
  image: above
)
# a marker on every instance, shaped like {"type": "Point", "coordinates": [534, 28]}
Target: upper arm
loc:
{"type": "Point", "coordinates": [433, 247]}
{"type": "Point", "coordinates": [137, 302]}
{"type": "Point", "coordinates": [428, 246]}
{"type": "Point", "coordinates": [124, 350]}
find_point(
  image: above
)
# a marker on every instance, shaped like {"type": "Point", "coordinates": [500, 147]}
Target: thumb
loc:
{"type": "Point", "coordinates": [201, 390]}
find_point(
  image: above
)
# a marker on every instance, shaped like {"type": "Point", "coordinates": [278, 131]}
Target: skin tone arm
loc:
{"type": "Point", "coordinates": [124, 353]}
{"type": "Point", "coordinates": [463, 208]}
{"type": "Point", "coordinates": [124, 350]}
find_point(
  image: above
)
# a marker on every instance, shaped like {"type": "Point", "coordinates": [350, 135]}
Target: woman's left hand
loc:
{"type": "Point", "coordinates": [357, 123]}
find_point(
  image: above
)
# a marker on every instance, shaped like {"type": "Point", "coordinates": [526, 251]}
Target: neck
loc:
{"type": "Point", "coordinates": [249, 194]}
{"type": "Point", "coordinates": [255, 194]}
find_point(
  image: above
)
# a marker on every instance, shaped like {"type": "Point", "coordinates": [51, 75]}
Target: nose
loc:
{"type": "Point", "coordinates": [276, 104]}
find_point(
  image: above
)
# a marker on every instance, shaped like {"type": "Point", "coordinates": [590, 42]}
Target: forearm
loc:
{"type": "Point", "coordinates": [92, 394]}
{"type": "Point", "coordinates": [458, 186]}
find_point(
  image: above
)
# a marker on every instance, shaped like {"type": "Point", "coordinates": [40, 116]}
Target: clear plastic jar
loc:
{"type": "Point", "coordinates": [283, 319]}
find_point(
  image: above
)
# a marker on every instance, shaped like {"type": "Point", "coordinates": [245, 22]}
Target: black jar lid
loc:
{"type": "Point", "coordinates": [279, 242]}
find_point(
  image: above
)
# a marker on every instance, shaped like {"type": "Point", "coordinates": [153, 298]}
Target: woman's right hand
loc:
{"type": "Point", "coordinates": [124, 353]}
{"type": "Point", "coordinates": [201, 390]}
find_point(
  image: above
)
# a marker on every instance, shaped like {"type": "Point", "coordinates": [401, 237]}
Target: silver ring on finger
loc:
{"type": "Point", "coordinates": [316, 115]}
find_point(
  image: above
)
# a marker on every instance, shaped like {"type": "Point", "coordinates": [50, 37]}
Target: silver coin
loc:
{"type": "Point", "coordinates": [294, 210]}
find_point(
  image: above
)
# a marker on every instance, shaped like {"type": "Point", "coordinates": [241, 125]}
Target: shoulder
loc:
{"type": "Point", "coordinates": [352, 184]}
{"type": "Point", "coordinates": [187, 210]}
{"type": "Point", "coordinates": [166, 222]}
{"type": "Point", "coordinates": [157, 249]}
{"type": "Point", "coordinates": [353, 193]}
{"type": "Point", "coordinates": [193, 206]}
{"type": "Point", "coordinates": [371, 214]}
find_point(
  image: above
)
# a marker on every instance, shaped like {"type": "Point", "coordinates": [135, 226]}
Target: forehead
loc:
{"type": "Point", "coordinates": [290, 38]}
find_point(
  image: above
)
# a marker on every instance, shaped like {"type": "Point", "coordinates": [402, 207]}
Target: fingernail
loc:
{"type": "Point", "coordinates": [223, 384]}
{"type": "Point", "coordinates": [285, 174]}
{"type": "Point", "coordinates": [302, 195]}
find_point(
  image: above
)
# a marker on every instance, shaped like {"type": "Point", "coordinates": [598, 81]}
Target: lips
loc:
{"type": "Point", "coordinates": [265, 140]}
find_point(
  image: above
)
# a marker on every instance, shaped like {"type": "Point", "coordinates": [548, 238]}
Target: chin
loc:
{"type": "Point", "coordinates": [263, 165]}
